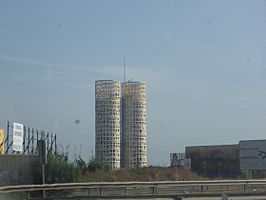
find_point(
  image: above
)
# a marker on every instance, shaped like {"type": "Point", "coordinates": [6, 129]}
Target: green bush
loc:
{"type": "Point", "coordinates": [96, 164]}
{"type": "Point", "coordinates": [81, 166]}
{"type": "Point", "coordinates": [57, 170]}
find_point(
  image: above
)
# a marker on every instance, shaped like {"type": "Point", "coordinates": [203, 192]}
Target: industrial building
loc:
{"type": "Point", "coordinates": [215, 160]}
{"type": "Point", "coordinates": [107, 122]}
{"type": "Point", "coordinates": [134, 125]}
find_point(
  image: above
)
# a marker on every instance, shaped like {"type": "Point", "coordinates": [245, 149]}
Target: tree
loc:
{"type": "Point", "coordinates": [96, 164]}
{"type": "Point", "coordinates": [57, 170]}
{"type": "Point", "coordinates": [80, 165]}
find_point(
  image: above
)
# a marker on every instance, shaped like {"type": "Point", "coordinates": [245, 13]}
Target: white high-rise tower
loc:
{"type": "Point", "coordinates": [107, 122]}
{"type": "Point", "coordinates": [134, 125]}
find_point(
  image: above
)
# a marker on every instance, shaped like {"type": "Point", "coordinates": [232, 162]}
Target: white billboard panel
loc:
{"type": "Point", "coordinates": [18, 137]}
{"type": "Point", "coordinates": [252, 154]}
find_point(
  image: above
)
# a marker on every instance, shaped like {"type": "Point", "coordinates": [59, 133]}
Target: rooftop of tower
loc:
{"type": "Point", "coordinates": [107, 81]}
{"type": "Point", "coordinates": [133, 82]}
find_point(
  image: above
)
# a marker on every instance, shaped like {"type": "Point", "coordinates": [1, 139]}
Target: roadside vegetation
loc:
{"type": "Point", "coordinates": [151, 173]}
{"type": "Point", "coordinates": [60, 170]}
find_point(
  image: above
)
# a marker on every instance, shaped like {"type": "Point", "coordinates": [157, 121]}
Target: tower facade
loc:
{"type": "Point", "coordinates": [134, 125]}
{"type": "Point", "coordinates": [107, 122]}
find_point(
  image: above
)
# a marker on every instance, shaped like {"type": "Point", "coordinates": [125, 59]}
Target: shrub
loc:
{"type": "Point", "coordinates": [96, 164]}
{"type": "Point", "coordinates": [57, 170]}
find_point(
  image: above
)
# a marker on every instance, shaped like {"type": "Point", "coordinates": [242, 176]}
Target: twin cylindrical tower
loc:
{"type": "Point", "coordinates": [107, 122]}
{"type": "Point", "coordinates": [134, 125]}
{"type": "Point", "coordinates": [121, 123]}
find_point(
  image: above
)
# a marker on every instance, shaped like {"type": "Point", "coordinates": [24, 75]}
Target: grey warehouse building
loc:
{"type": "Point", "coordinates": [214, 160]}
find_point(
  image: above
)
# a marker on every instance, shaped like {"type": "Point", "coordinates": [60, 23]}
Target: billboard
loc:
{"type": "Point", "coordinates": [178, 160]}
{"type": "Point", "coordinates": [18, 133]}
{"type": "Point", "coordinates": [2, 141]}
{"type": "Point", "coordinates": [252, 154]}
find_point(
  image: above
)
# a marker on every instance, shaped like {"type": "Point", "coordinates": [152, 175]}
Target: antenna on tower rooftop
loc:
{"type": "Point", "coordinates": [124, 63]}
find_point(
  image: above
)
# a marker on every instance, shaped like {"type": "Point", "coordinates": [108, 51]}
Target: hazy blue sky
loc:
{"type": "Point", "coordinates": [204, 63]}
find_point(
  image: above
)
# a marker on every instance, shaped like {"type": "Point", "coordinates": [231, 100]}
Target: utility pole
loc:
{"type": "Point", "coordinates": [43, 178]}
{"type": "Point", "coordinates": [204, 167]}
{"type": "Point", "coordinates": [42, 157]}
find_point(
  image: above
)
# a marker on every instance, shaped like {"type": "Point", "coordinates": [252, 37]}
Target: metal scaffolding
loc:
{"type": "Point", "coordinates": [30, 137]}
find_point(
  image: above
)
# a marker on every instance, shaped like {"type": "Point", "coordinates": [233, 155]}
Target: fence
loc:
{"type": "Point", "coordinates": [144, 190]}
{"type": "Point", "coordinates": [30, 138]}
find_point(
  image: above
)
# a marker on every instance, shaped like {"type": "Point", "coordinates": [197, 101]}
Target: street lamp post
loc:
{"type": "Point", "coordinates": [219, 169]}
{"type": "Point", "coordinates": [204, 163]}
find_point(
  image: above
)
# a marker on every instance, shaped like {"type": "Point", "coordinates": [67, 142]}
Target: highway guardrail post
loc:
{"type": "Point", "coordinates": [101, 191]}
{"type": "Point", "coordinates": [125, 190]}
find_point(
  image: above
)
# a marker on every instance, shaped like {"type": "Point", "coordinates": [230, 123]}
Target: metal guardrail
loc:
{"type": "Point", "coordinates": [140, 189]}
